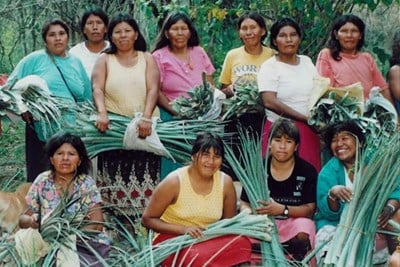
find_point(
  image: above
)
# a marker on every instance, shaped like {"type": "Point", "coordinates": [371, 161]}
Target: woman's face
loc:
{"type": "Point", "coordinates": [250, 32]}
{"type": "Point", "coordinates": [283, 148]}
{"type": "Point", "coordinates": [178, 35]}
{"type": "Point", "coordinates": [124, 36]}
{"type": "Point", "coordinates": [287, 41]}
{"type": "Point", "coordinates": [348, 37]}
{"type": "Point", "coordinates": [95, 29]}
{"type": "Point", "coordinates": [207, 162]}
{"type": "Point", "coordinates": [57, 40]}
{"type": "Point", "coordinates": [343, 146]}
{"type": "Point", "coordinates": [65, 160]}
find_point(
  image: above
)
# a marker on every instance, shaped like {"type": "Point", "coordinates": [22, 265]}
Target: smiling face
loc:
{"type": "Point", "coordinates": [343, 146]}
{"type": "Point", "coordinates": [250, 32]}
{"type": "Point", "coordinates": [94, 29]}
{"type": "Point", "coordinates": [207, 162]}
{"type": "Point", "coordinates": [283, 148]}
{"type": "Point", "coordinates": [123, 36]}
{"type": "Point", "coordinates": [348, 36]}
{"type": "Point", "coordinates": [287, 41]}
{"type": "Point", "coordinates": [65, 160]}
{"type": "Point", "coordinates": [178, 35]}
{"type": "Point", "coordinates": [56, 40]}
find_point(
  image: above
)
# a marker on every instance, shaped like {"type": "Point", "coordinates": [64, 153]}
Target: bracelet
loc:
{"type": "Point", "coordinates": [392, 207]}
{"type": "Point", "coordinates": [146, 120]}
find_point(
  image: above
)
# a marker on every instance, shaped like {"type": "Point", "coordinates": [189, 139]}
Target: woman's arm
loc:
{"type": "Point", "coordinates": [323, 64]}
{"type": "Point", "coordinates": [152, 85]}
{"type": "Point", "coordinates": [394, 82]}
{"type": "Point", "coordinates": [165, 194]}
{"type": "Point", "coordinates": [99, 76]}
{"type": "Point", "coordinates": [230, 201]}
{"type": "Point", "coordinates": [164, 103]}
{"type": "Point", "coordinates": [305, 210]}
{"type": "Point", "coordinates": [95, 216]}
{"type": "Point", "coordinates": [274, 208]}
{"type": "Point", "coordinates": [227, 89]}
{"type": "Point", "coordinates": [152, 90]}
{"type": "Point", "coordinates": [271, 102]}
{"type": "Point", "coordinates": [210, 79]}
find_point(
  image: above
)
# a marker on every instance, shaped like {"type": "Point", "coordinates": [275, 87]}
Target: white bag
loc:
{"type": "Point", "coordinates": [67, 255]}
{"type": "Point", "coordinates": [30, 246]}
{"type": "Point", "coordinates": [151, 143]}
{"type": "Point", "coordinates": [216, 108]}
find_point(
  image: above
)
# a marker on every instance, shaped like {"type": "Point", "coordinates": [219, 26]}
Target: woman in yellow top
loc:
{"type": "Point", "coordinates": [241, 64]}
{"type": "Point", "coordinates": [125, 81]}
{"type": "Point", "coordinates": [191, 198]}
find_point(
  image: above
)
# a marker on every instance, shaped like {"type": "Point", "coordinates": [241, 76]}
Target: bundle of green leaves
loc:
{"type": "Point", "coordinates": [377, 116]}
{"type": "Point", "coordinates": [176, 136]}
{"type": "Point", "coordinates": [197, 104]}
{"type": "Point", "coordinates": [333, 107]}
{"type": "Point", "coordinates": [32, 95]}
{"type": "Point", "coordinates": [256, 226]}
{"type": "Point", "coordinates": [246, 99]}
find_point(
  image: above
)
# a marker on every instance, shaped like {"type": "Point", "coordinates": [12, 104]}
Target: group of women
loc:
{"type": "Point", "coordinates": [120, 77]}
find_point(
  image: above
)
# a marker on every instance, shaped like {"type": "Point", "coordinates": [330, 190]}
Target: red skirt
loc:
{"type": "Point", "coordinates": [309, 148]}
{"type": "Point", "coordinates": [227, 250]}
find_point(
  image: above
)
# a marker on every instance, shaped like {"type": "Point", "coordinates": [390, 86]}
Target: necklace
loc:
{"type": "Point", "coordinates": [184, 62]}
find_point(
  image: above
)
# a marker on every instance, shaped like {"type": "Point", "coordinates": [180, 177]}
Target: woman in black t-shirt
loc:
{"type": "Point", "coordinates": [292, 185]}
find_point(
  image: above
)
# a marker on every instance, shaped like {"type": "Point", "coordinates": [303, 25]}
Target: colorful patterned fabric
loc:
{"type": "Point", "coordinates": [43, 194]}
{"type": "Point", "coordinates": [129, 178]}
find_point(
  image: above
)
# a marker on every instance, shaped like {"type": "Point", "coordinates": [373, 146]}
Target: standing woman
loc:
{"type": "Point", "coordinates": [181, 62]}
{"type": "Point", "coordinates": [344, 63]}
{"type": "Point", "coordinates": [125, 81]}
{"type": "Point", "coordinates": [65, 77]}
{"type": "Point", "coordinates": [394, 73]}
{"type": "Point", "coordinates": [285, 82]}
{"type": "Point", "coordinates": [241, 65]}
{"type": "Point", "coordinates": [93, 26]}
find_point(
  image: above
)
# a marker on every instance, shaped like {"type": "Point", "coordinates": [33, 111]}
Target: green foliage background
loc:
{"type": "Point", "coordinates": [215, 21]}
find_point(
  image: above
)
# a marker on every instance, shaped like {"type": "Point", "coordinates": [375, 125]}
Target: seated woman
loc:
{"type": "Point", "coordinates": [335, 184]}
{"type": "Point", "coordinates": [292, 183]}
{"type": "Point", "coordinates": [191, 198]}
{"type": "Point", "coordinates": [69, 165]}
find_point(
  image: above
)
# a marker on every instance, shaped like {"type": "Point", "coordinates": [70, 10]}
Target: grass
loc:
{"type": "Point", "coordinates": [12, 155]}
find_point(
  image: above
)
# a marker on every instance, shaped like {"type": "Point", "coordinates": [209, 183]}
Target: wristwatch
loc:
{"type": "Point", "coordinates": [286, 211]}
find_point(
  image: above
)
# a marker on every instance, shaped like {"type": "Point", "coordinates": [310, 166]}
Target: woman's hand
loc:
{"type": "Point", "coordinates": [195, 232]}
{"type": "Point", "coordinates": [27, 117]}
{"type": "Point", "coordinates": [340, 192]}
{"type": "Point", "coordinates": [384, 217]}
{"type": "Point", "coordinates": [228, 91]}
{"type": "Point", "coordinates": [144, 127]}
{"type": "Point", "coordinates": [27, 221]}
{"type": "Point", "coordinates": [102, 122]}
{"type": "Point", "coordinates": [271, 208]}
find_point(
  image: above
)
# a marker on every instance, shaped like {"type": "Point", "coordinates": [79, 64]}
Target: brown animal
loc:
{"type": "Point", "coordinates": [12, 205]}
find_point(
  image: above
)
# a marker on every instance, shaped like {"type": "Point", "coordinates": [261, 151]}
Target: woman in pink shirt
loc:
{"type": "Point", "coordinates": [181, 62]}
{"type": "Point", "coordinates": [180, 59]}
{"type": "Point", "coordinates": [344, 62]}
